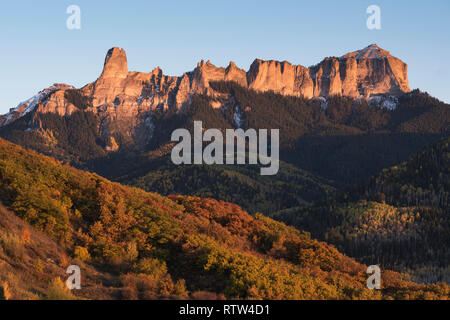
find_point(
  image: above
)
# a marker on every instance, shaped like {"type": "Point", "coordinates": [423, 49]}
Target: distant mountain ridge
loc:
{"type": "Point", "coordinates": [124, 100]}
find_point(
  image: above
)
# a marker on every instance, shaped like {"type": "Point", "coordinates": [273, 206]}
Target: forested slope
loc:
{"type": "Point", "coordinates": [148, 246]}
{"type": "Point", "coordinates": [399, 218]}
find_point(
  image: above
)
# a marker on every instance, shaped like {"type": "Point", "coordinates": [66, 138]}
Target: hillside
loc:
{"type": "Point", "coordinates": [33, 266]}
{"type": "Point", "coordinates": [143, 245]}
{"type": "Point", "coordinates": [239, 184]}
{"type": "Point", "coordinates": [398, 218]}
{"type": "Point", "coordinates": [422, 180]}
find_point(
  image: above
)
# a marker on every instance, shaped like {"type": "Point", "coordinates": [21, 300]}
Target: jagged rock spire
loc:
{"type": "Point", "coordinates": [115, 64]}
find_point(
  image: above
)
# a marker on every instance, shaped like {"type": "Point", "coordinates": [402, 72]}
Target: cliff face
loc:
{"type": "Point", "coordinates": [377, 72]}
{"type": "Point", "coordinates": [124, 100]}
{"type": "Point", "coordinates": [366, 72]}
{"type": "Point", "coordinates": [281, 77]}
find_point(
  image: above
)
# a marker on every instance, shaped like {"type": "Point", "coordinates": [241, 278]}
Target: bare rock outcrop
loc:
{"type": "Point", "coordinates": [280, 77]}
{"type": "Point", "coordinates": [125, 100]}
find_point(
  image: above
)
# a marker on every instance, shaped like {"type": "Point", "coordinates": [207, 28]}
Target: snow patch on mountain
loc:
{"type": "Point", "coordinates": [323, 102]}
{"type": "Point", "coordinates": [387, 102]}
{"type": "Point", "coordinates": [372, 51]}
{"type": "Point", "coordinates": [30, 104]}
{"type": "Point", "coordinates": [237, 116]}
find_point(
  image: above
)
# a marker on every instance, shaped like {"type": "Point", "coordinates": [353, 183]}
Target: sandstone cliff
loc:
{"type": "Point", "coordinates": [124, 100]}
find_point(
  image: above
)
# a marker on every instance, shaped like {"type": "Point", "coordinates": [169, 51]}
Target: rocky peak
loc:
{"type": "Point", "coordinates": [157, 71]}
{"type": "Point", "coordinates": [232, 65]}
{"type": "Point", "coordinates": [233, 73]}
{"type": "Point", "coordinates": [115, 64]}
{"type": "Point", "coordinates": [203, 64]}
{"type": "Point", "coordinates": [30, 104]}
{"type": "Point", "coordinates": [377, 71]}
{"type": "Point", "coordinates": [373, 51]}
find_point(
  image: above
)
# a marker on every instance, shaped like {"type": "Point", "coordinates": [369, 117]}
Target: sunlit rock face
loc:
{"type": "Point", "coordinates": [124, 100]}
{"type": "Point", "coordinates": [365, 72]}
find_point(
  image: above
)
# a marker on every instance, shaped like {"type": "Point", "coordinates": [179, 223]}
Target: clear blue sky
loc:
{"type": "Point", "coordinates": [37, 49]}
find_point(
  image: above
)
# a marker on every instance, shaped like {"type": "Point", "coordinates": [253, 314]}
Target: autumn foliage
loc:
{"type": "Point", "coordinates": [179, 246]}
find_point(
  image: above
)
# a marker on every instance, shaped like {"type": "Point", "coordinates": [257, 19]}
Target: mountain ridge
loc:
{"type": "Point", "coordinates": [129, 95]}
{"type": "Point", "coordinates": [137, 112]}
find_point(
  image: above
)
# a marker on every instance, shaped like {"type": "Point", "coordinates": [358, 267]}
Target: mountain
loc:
{"type": "Point", "coordinates": [124, 100]}
{"type": "Point", "coordinates": [111, 125]}
{"type": "Point", "coordinates": [340, 138]}
{"type": "Point", "coordinates": [337, 139]}
{"type": "Point", "coordinates": [376, 72]}
{"type": "Point", "coordinates": [29, 105]}
{"type": "Point", "coordinates": [341, 122]}
{"type": "Point", "coordinates": [132, 244]}
{"type": "Point", "coordinates": [398, 218]}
